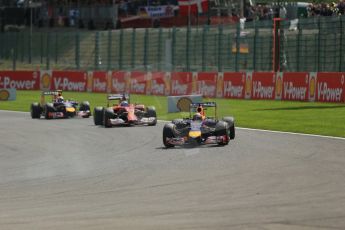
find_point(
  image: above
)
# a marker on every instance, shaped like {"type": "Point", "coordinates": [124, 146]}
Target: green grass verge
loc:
{"type": "Point", "coordinates": [301, 117]}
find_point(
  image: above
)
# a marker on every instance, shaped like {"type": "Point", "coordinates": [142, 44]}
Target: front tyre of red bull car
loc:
{"type": "Point", "coordinates": [151, 115]}
{"type": "Point", "coordinates": [35, 110]}
{"type": "Point", "coordinates": [84, 109]}
{"type": "Point", "coordinates": [168, 135]}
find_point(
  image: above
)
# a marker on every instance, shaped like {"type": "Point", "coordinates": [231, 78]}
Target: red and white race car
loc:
{"type": "Point", "coordinates": [124, 113]}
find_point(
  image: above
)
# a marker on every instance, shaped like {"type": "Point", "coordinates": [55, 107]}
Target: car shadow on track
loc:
{"type": "Point", "coordinates": [191, 147]}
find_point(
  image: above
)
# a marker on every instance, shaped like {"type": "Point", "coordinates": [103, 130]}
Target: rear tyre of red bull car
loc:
{"type": "Point", "coordinates": [168, 132]}
{"type": "Point", "coordinates": [222, 133]}
{"type": "Point", "coordinates": [98, 113]}
{"type": "Point", "coordinates": [231, 123]}
{"type": "Point", "coordinates": [35, 110]}
{"type": "Point", "coordinates": [85, 107]}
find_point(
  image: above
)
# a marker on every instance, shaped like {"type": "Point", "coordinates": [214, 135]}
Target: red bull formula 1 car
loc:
{"type": "Point", "coordinates": [58, 107]}
{"type": "Point", "coordinates": [124, 113]}
{"type": "Point", "coordinates": [199, 129]}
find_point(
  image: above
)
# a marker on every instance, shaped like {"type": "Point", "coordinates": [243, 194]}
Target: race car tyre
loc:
{"type": "Point", "coordinates": [231, 123]}
{"type": "Point", "coordinates": [151, 112]}
{"type": "Point", "coordinates": [98, 115]}
{"type": "Point", "coordinates": [84, 106]}
{"type": "Point", "coordinates": [168, 133]}
{"type": "Point", "coordinates": [222, 129]}
{"type": "Point", "coordinates": [232, 132]}
{"type": "Point", "coordinates": [108, 114]}
{"type": "Point", "coordinates": [35, 110]}
{"type": "Point", "coordinates": [49, 107]}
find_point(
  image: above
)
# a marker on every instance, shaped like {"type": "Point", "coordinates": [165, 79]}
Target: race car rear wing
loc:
{"type": "Point", "coordinates": [122, 97]}
{"type": "Point", "coordinates": [203, 104]}
{"type": "Point", "coordinates": [47, 93]}
{"type": "Point", "coordinates": [118, 96]}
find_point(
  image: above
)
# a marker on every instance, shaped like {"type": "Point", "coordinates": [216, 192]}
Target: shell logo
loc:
{"type": "Point", "coordinates": [279, 86]}
{"type": "Point", "coordinates": [4, 95]}
{"type": "Point", "coordinates": [248, 87]}
{"type": "Point", "coordinates": [312, 87]}
{"type": "Point", "coordinates": [183, 104]}
{"type": "Point", "coordinates": [45, 81]}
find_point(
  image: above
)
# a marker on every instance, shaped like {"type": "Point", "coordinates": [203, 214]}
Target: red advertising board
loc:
{"type": "Point", "coordinates": [69, 80]}
{"type": "Point", "coordinates": [231, 85]}
{"type": "Point", "coordinates": [330, 87]}
{"type": "Point", "coordinates": [181, 83]}
{"type": "Point", "coordinates": [206, 83]}
{"type": "Point", "coordinates": [293, 86]}
{"type": "Point", "coordinates": [120, 82]}
{"type": "Point", "coordinates": [99, 82]}
{"type": "Point", "coordinates": [158, 84]}
{"type": "Point", "coordinates": [138, 82]}
{"type": "Point", "coordinates": [263, 85]}
{"type": "Point", "coordinates": [300, 86]}
{"type": "Point", "coordinates": [20, 80]}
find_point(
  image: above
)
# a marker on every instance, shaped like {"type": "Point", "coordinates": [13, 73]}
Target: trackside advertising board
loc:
{"type": "Point", "coordinates": [138, 82]}
{"type": "Point", "coordinates": [98, 81]}
{"type": "Point", "coordinates": [20, 80]}
{"type": "Point", "coordinates": [231, 85]}
{"type": "Point", "coordinates": [8, 94]}
{"type": "Point", "coordinates": [263, 85]}
{"type": "Point", "coordinates": [69, 80]}
{"type": "Point", "coordinates": [120, 81]}
{"type": "Point", "coordinates": [291, 86]}
{"type": "Point", "coordinates": [181, 83]}
{"type": "Point", "coordinates": [330, 87]}
{"type": "Point", "coordinates": [159, 84]}
{"type": "Point", "coordinates": [205, 83]}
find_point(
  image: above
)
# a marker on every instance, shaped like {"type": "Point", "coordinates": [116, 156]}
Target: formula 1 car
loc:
{"type": "Point", "coordinates": [199, 129]}
{"type": "Point", "coordinates": [124, 113]}
{"type": "Point", "coordinates": [58, 107]}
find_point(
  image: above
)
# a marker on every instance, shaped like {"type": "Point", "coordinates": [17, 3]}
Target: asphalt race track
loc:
{"type": "Point", "coordinates": [71, 175]}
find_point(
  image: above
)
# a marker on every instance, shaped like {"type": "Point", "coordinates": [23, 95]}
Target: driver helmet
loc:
{"type": "Point", "coordinates": [60, 99]}
{"type": "Point", "coordinates": [124, 103]}
{"type": "Point", "coordinates": [197, 117]}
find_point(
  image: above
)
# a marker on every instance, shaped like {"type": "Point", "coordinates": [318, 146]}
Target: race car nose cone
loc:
{"type": "Point", "coordinates": [70, 109]}
{"type": "Point", "coordinates": [194, 134]}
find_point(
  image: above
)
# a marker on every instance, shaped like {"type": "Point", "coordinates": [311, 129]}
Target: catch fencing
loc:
{"type": "Point", "coordinates": [312, 44]}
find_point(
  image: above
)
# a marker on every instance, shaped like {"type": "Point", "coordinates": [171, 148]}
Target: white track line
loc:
{"type": "Point", "coordinates": [292, 133]}
{"type": "Point", "coordinates": [259, 130]}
